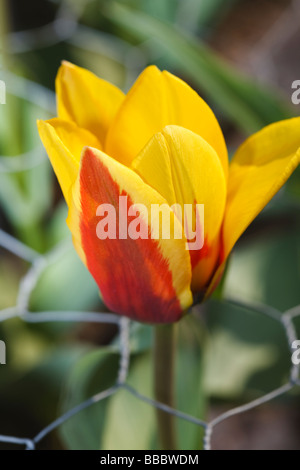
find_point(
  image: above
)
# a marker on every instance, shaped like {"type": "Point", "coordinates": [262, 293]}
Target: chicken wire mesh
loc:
{"type": "Point", "coordinates": [21, 310]}
{"type": "Point", "coordinates": [63, 28]}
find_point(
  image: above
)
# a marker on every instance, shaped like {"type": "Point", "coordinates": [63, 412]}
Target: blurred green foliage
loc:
{"type": "Point", "coordinates": [233, 355]}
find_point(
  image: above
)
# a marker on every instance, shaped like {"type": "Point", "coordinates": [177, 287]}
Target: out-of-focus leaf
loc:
{"type": "Point", "coordinates": [65, 284]}
{"type": "Point", "coordinates": [29, 397]}
{"type": "Point", "coordinates": [229, 362]}
{"type": "Point", "coordinates": [95, 372]}
{"type": "Point", "coordinates": [9, 281]}
{"type": "Point", "coordinates": [105, 54]}
{"type": "Point", "coordinates": [25, 346]}
{"type": "Point", "coordinates": [247, 352]}
{"type": "Point", "coordinates": [10, 143]}
{"type": "Point", "coordinates": [190, 391]}
{"type": "Point", "coordinates": [266, 270]}
{"type": "Point", "coordinates": [161, 9]}
{"type": "Point", "coordinates": [245, 102]}
{"type": "Point", "coordinates": [165, 10]}
{"type": "Point", "coordinates": [211, 11]}
{"type": "Point", "coordinates": [57, 229]}
{"type": "Point", "coordinates": [293, 184]}
{"type": "Point", "coordinates": [130, 423]}
{"type": "Point", "coordinates": [25, 193]}
{"type": "Point", "coordinates": [38, 180]}
{"type": "Point", "coordinates": [189, 15]}
{"type": "Point", "coordinates": [141, 337]}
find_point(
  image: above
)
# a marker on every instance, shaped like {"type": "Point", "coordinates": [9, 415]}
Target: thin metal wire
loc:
{"type": "Point", "coordinates": [77, 409]}
{"type": "Point", "coordinates": [82, 317]}
{"type": "Point", "coordinates": [253, 404]}
{"type": "Point", "coordinates": [163, 407]}
{"type": "Point", "coordinates": [18, 440]}
{"type": "Point", "coordinates": [124, 351]}
{"type": "Point", "coordinates": [16, 247]}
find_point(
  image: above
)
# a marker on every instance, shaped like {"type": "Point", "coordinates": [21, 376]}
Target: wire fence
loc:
{"type": "Point", "coordinates": [62, 29]}
{"type": "Point", "coordinates": [21, 310]}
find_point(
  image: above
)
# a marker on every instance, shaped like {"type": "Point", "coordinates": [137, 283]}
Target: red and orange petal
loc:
{"type": "Point", "coordinates": [145, 279]}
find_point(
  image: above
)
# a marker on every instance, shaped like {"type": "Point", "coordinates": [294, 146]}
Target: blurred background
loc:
{"type": "Point", "coordinates": [242, 57]}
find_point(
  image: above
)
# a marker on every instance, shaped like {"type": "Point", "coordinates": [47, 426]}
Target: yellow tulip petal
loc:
{"type": "Point", "coordinates": [64, 142]}
{"type": "Point", "coordinates": [87, 100]}
{"type": "Point", "coordinates": [146, 279]}
{"type": "Point", "coordinates": [185, 169]}
{"type": "Point", "coordinates": [158, 99]}
{"type": "Point", "coordinates": [258, 170]}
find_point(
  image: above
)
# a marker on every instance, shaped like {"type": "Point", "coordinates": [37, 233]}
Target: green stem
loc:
{"type": "Point", "coordinates": [164, 380]}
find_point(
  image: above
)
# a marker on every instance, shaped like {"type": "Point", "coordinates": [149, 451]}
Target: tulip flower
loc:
{"type": "Point", "coordinates": [159, 144]}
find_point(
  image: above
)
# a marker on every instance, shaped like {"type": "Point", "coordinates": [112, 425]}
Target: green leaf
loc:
{"type": "Point", "coordinates": [9, 281]}
{"type": "Point", "coordinates": [190, 391]}
{"type": "Point", "coordinates": [247, 350]}
{"type": "Point", "coordinates": [230, 362]}
{"type": "Point", "coordinates": [141, 337]}
{"type": "Point", "coordinates": [57, 229]}
{"type": "Point", "coordinates": [246, 354]}
{"type": "Point", "coordinates": [266, 269]}
{"type": "Point", "coordinates": [94, 372]}
{"type": "Point", "coordinates": [164, 10]}
{"type": "Point", "coordinates": [29, 395]}
{"type": "Point", "coordinates": [65, 284]}
{"type": "Point", "coordinates": [25, 179]}
{"type": "Point", "coordinates": [130, 423]}
{"type": "Point", "coordinates": [211, 11]}
{"type": "Point", "coordinates": [248, 104]}
{"type": "Point", "coordinates": [293, 185]}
